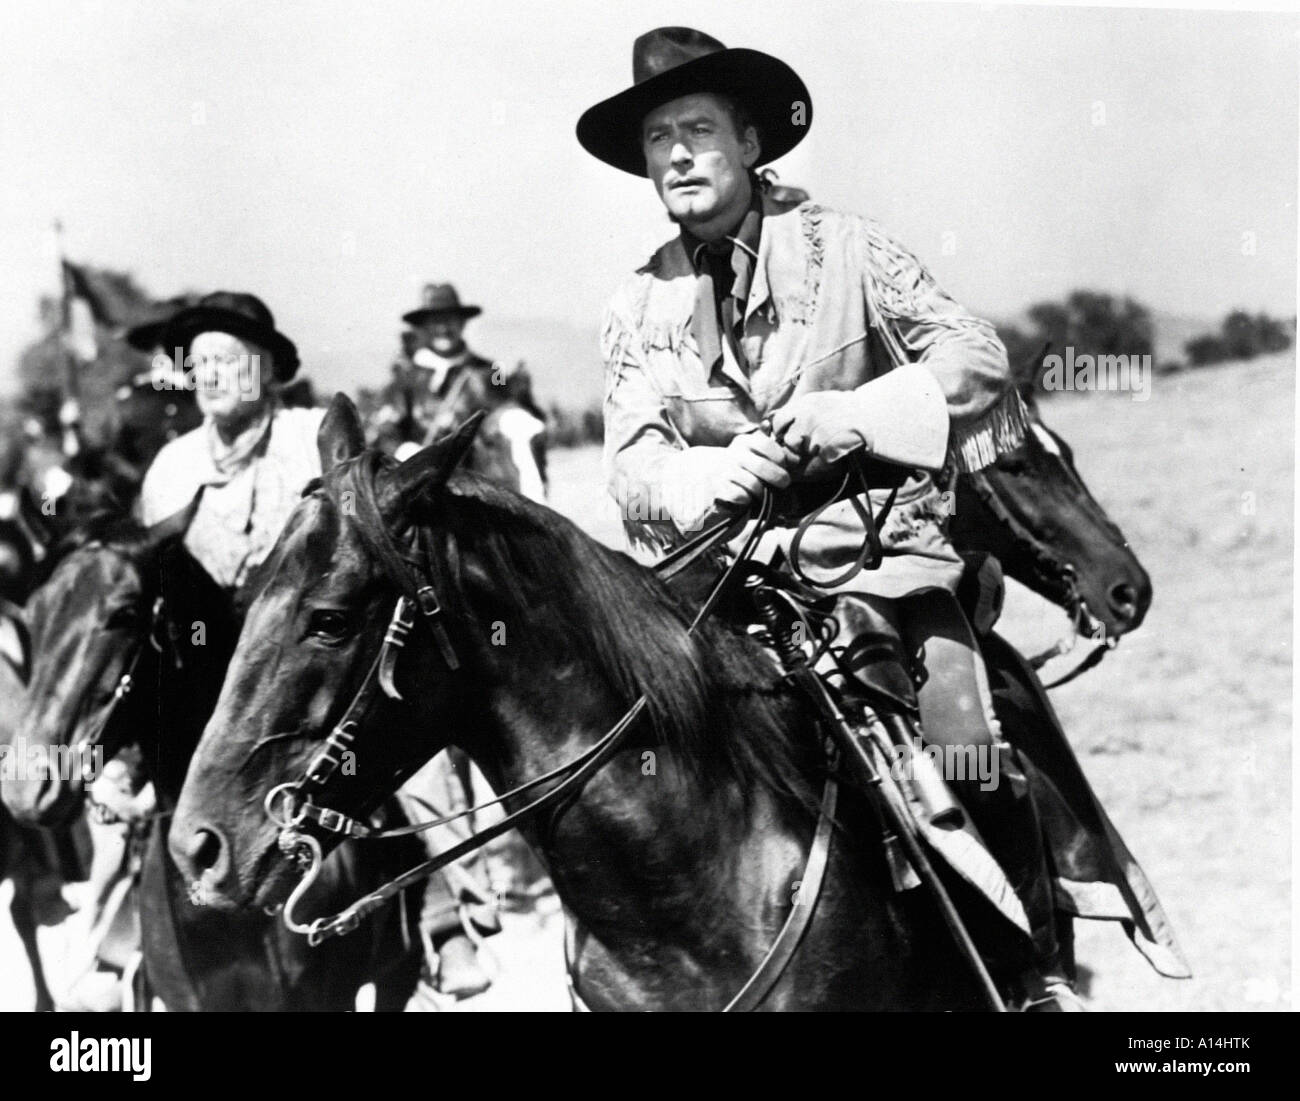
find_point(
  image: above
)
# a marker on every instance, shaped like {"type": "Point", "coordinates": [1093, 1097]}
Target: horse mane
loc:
{"type": "Point", "coordinates": [710, 698]}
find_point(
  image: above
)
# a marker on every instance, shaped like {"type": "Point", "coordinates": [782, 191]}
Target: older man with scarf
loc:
{"type": "Point", "coordinates": [249, 460]}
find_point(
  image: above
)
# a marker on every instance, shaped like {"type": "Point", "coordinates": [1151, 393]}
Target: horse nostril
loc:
{"type": "Point", "coordinates": [1123, 598]}
{"type": "Point", "coordinates": [209, 850]}
{"type": "Point", "coordinates": [205, 852]}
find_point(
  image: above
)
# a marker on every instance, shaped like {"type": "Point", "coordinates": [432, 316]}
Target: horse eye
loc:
{"type": "Point", "coordinates": [326, 623]}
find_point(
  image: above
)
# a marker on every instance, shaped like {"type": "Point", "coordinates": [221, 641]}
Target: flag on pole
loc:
{"type": "Point", "coordinates": [83, 308]}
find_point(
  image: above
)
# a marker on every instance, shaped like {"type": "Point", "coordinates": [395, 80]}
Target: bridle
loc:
{"type": "Point", "coordinates": [291, 806]}
{"type": "Point", "coordinates": [294, 805]}
{"type": "Point", "coordinates": [125, 685]}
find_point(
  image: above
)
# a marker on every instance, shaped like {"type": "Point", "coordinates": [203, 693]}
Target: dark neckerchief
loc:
{"type": "Point", "coordinates": [724, 271]}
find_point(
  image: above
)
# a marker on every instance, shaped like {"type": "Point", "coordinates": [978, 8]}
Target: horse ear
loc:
{"type": "Point", "coordinates": [341, 435]}
{"type": "Point", "coordinates": [1028, 393]}
{"type": "Point", "coordinates": [432, 466]}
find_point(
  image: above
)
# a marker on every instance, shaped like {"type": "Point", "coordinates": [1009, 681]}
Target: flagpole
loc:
{"type": "Point", "coordinates": [70, 407]}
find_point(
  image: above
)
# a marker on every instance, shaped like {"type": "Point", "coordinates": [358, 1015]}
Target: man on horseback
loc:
{"type": "Point", "coordinates": [440, 379]}
{"type": "Point", "coordinates": [247, 464]}
{"type": "Point", "coordinates": [777, 312]}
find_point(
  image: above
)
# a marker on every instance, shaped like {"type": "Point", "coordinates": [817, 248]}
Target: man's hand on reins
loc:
{"type": "Point", "coordinates": [821, 428]}
{"type": "Point", "coordinates": [721, 479]}
{"type": "Point", "coordinates": [900, 417]}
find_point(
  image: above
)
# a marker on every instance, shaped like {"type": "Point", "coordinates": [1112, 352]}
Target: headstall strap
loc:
{"type": "Point", "coordinates": [123, 688]}
{"type": "Point", "coordinates": [327, 761]}
{"type": "Point", "coordinates": [394, 640]}
{"type": "Point", "coordinates": [432, 612]}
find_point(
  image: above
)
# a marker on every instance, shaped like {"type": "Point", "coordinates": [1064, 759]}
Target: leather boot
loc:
{"type": "Point", "coordinates": [1008, 821]}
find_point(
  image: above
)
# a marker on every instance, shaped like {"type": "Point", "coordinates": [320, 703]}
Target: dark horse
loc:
{"type": "Point", "coordinates": [676, 862]}
{"type": "Point", "coordinates": [124, 601]}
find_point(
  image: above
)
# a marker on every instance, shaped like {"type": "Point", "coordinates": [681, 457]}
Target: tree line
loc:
{"type": "Point", "coordinates": [1097, 324]}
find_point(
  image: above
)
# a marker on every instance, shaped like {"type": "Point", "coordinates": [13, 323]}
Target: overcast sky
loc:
{"type": "Point", "coordinates": [331, 157]}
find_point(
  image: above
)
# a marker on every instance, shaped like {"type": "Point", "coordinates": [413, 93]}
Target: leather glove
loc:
{"type": "Point", "coordinates": [703, 483]}
{"type": "Point", "coordinates": [901, 417]}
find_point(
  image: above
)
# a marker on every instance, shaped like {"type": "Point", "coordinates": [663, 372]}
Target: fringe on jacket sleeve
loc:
{"type": "Point", "coordinates": [976, 443]}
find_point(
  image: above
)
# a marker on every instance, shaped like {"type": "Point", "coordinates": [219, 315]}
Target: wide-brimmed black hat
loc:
{"type": "Point", "coordinates": [241, 315]}
{"type": "Point", "coordinates": [440, 300]}
{"type": "Point", "coordinates": [671, 62]}
{"type": "Point", "coordinates": [150, 333]}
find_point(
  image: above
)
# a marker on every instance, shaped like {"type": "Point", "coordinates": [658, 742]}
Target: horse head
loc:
{"type": "Point", "coordinates": [308, 640]}
{"type": "Point", "coordinates": [96, 636]}
{"type": "Point", "coordinates": [510, 448]}
{"type": "Point", "coordinates": [1032, 510]}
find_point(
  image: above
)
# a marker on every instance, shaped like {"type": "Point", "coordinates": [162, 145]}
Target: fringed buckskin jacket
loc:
{"type": "Point", "coordinates": [834, 303]}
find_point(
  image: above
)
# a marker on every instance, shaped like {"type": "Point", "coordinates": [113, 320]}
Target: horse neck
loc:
{"type": "Point", "coordinates": [181, 699]}
{"type": "Point", "coordinates": [572, 634]}
{"type": "Point", "coordinates": [653, 833]}
{"type": "Point", "coordinates": [650, 829]}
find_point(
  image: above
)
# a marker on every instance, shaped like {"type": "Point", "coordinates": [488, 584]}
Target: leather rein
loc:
{"type": "Point", "coordinates": [294, 805]}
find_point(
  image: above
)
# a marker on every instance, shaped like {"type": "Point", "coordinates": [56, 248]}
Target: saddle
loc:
{"type": "Point", "coordinates": [885, 669]}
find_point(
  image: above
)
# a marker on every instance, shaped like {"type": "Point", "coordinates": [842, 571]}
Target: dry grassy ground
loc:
{"type": "Point", "coordinates": [1184, 730]}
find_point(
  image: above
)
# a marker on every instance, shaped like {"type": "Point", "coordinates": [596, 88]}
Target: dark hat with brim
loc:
{"type": "Point", "coordinates": [146, 337]}
{"type": "Point", "coordinates": [241, 315]}
{"type": "Point", "coordinates": [151, 334]}
{"type": "Point", "coordinates": [440, 300]}
{"type": "Point", "coordinates": [672, 62]}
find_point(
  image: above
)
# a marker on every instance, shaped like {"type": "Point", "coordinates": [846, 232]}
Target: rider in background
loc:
{"type": "Point", "coordinates": [439, 380]}
{"type": "Point", "coordinates": [784, 310]}
{"type": "Point", "coordinates": [251, 458]}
